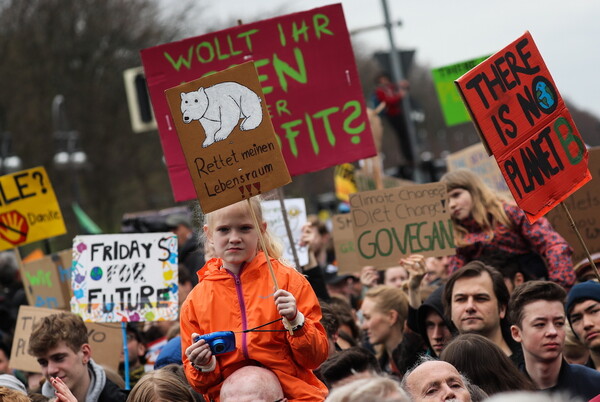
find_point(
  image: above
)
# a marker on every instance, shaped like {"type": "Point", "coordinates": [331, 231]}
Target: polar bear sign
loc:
{"type": "Point", "coordinates": [227, 137]}
{"type": "Point", "coordinates": [219, 109]}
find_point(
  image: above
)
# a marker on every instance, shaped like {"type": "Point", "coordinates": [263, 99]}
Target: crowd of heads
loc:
{"type": "Point", "coordinates": [410, 332]}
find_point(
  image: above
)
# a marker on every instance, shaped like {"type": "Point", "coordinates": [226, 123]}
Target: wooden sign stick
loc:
{"type": "Point", "coordinates": [288, 229]}
{"type": "Point", "coordinates": [286, 323]}
{"type": "Point", "coordinates": [587, 252]}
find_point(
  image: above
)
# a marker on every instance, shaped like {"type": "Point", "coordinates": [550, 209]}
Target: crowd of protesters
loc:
{"type": "Point", "coordinates": [509, 312]}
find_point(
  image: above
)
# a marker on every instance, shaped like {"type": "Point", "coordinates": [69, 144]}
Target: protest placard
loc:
{"type": "Point", "coordinates": [125, 277]}
{"type": "Point", "coordinates": [524, 123]}
{"type": "Point", "coordinates": [295, 209]}
{"type": "Point", "coordinates": [308, 75]}
{"type": "Point", "coordinates": [393, 223]}
{"type": "Point", "coordinates": [29, 210]}
{"type": "Point", "coordinates": [584, 207]}
{"type": "Point", "coordinates": [453, 108]}
{"type": "Point", "coordinates": [344, 182]}
{"type": "Point", "coordinates": [344, 244]}
{"type": "Point", "coordinates": [227, 137]}
{"type": "Point", "coordinates": [476, 159]}
{"type": "Point", "coordinates": [104, 339]}
{"type": "Point", "coordinates": [47, 281]}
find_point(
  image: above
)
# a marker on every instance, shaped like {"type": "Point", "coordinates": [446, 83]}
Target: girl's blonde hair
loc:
{"type": "Point", "coordinates": [487, 209]}
{"type": "Point", "coordinates": [390, 298]}
{"type": "Point", "coordinates": [273, 244]}
{"type": "Point", "coordinates": [161, 385]}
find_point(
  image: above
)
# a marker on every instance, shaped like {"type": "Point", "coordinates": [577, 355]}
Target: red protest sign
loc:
{"type": "Point", "coordinates": [525, 124]}
{"type": "Point", "coordinates": [308, 75]}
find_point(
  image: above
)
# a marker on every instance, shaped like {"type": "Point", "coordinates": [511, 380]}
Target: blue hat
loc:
{"type": "Point", "coordinates": [589, 290]}
{"type": "Point", "coordinates": [170, 353]}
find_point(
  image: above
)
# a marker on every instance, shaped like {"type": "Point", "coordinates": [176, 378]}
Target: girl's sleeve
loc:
{"type": "Point", "coordinates": [550, 245]}
{"type": "Point", "coordinates": [200, 381]}
{"type": "Point", "coordinates": [309, 344]}
{"type": "Point", "coordinates": [455, 262]}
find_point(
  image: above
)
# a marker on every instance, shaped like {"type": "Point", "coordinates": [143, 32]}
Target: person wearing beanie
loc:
{"type": "Point", "coordinates": [583, 311]}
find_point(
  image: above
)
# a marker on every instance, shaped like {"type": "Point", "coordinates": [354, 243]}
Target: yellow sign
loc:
{"type": "Point", "coordinates": [29, 210]}
{"type": "Point", "coordinates": [343, 180]}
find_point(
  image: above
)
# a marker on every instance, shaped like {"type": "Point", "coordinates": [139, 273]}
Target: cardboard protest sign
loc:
{"type": "Point", "coordinates": [524, 122]}
{"type": "Point", "coordinates": [29, 210]}
{"type": "Point", "coordinates": [125, 277]}
{"type": "Point", "coordinates": [344, 244]}
{"type": "Point", "coordinates": [393, 223]}
{"type": "Point", "coordinates": [308, 75]}
{"type": "Point", "coordinates": [227, 137]}
{"type": "Point", "coordinates": [47, 281]}
{"type": "Point", "coordinates": [295, 208]}
{"type": "Point", "coordinates": [104, 339]}
{"type": "Point", "coordinates": [476, 159]}
{"type": "Point", "coordinates": [584, 207]}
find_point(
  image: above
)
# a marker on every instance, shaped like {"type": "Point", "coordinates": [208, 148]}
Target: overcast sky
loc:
{"type": "Point", "coordinates": [445, 32]}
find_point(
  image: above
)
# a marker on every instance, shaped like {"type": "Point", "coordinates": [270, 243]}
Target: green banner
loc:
{"type": "Point", "coordinates": [452, 105]}
{"type": "Point", "coordinates": [86, 224]}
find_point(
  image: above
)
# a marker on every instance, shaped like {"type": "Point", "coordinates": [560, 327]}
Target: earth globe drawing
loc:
{"type": "Point", "coordinates": [544, 95]}
{"type": "Point", "coordinates": [96, 273]}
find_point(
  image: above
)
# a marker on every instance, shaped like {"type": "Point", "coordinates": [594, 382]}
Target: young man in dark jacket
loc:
{"type": "Point", "coordinates": [435, 330]}
{"type": "Point", "coordinates": [537, 312]}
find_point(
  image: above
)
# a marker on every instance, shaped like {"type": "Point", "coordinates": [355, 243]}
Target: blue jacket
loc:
{"type": "Point", "coordinates": [577, 380]}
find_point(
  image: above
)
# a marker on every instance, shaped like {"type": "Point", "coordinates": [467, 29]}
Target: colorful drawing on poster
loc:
{"type": "Point", "coordinates": [307, 71]}
{"type": "Point", "coordinates": [47, 281]}
{"type": "Point", "coordinates": [232, 152]}
{"type": "Point", "coordinates": [29, 210]}
{"type": "Point", "coordinates": [125, 277]}
{"type": "Point", "coordinates": [524, 123]}
{"type": "Point", "coordinates": [219, 109]}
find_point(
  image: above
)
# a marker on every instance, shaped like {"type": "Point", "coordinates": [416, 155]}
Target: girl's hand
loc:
{"type": "Point", "coordinates": [369, 276]}
{"type": "Point", "coordinates": [62, 392]}
{"type": "Point", "coordinates": [415, 265]}
{"type": "Point", "coordinates": [286, 304]}
{"type": "Point", "coordinates": [198, 353]}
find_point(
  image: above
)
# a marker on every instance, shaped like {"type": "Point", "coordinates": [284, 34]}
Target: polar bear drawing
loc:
{"type": "Point", "coordinates": [220, 107]}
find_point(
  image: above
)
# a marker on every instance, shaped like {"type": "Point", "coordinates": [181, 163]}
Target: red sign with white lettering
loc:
{"type": "Point", "coordinates": [308, 75]}
{"type": "Point", "coordinates": [525, 124]}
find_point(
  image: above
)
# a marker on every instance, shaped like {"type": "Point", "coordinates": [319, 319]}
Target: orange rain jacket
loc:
{"type": "Point", "coordinates": [223, 301]}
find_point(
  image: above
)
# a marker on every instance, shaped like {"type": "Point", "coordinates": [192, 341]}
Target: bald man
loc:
{"type": "Point", "coordinates": [252, 384]}
{"type": "Point", "coordinates": [435, 380]}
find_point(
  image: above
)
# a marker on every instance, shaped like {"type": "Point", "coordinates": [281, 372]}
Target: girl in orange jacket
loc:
{"type": "Point", "coordinates": [233, 294]}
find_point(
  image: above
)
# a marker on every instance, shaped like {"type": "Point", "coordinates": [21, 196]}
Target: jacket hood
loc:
{"type": "Point", "coordinates": [432, 303]}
